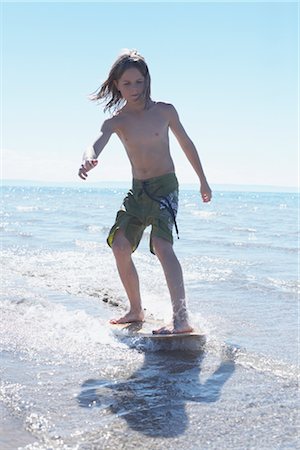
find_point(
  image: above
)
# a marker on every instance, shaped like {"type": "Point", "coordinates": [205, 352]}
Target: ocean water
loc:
{"type": "Point", "coordinates": [70, 381]}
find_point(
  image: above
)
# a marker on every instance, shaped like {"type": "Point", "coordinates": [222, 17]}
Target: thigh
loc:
{"type": "Point", "coordinates": [161, 232]}
{"type": "Point", "coordinates": [162, 247]}
{"type": "Point", "coordinates": [127, 227]}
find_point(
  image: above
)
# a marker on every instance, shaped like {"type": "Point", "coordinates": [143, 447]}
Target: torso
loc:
{"type": "Point", "coordinates": [145, 136]}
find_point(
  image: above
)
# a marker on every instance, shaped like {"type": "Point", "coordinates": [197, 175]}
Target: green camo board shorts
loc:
{"type": "Point", "coordinates": [150, 202]}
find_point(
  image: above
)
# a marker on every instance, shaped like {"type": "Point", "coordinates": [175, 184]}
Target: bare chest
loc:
{"type": "Point", "coordinates": [144, 130]}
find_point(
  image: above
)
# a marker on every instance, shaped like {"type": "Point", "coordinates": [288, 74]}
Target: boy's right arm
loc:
{"type": "Point", "coordinates": [89, 159]}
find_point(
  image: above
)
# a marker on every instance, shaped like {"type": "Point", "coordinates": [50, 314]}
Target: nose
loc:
{"type": "Point", "coordinates": [136, 87]}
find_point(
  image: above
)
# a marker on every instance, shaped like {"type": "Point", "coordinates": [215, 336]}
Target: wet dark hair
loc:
{"type": "Point", "coordinates": [108, 91]}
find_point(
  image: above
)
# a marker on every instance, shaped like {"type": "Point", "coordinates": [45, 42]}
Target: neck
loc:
{"type": "Point", "coordinates": [139, 106]}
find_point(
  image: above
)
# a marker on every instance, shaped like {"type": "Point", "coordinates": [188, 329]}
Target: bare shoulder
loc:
{"type": "Point", "coordinates": [117, 122]}
{"type": "Point", "coordinates": [167, 107]}
{"type": "Point", "coordinates": [169, 111]}
{"type": "Point", "coordinates": [109, 126]}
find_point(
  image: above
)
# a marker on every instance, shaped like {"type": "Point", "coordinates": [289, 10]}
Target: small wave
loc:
{"type": "Point", "coordinates": [254, 244]}
{"type": "Point", "coordinates": [25, 234]}
{"type": "Point", "coordinates": [265, 364]}
{"type": "Point", "coordinates": [43, 329]}
{"type": "Point", "coordinates": [97, 229]}
{"type": "Point", "coordinates": [27, 208]}
{"type": "Point", "coordinates": [189, 205]}
{"type": "Point", "coordinates": [284, 285]}
{"type": "Point", "coordinates": [249, 360]}
{"type": "Point", "coordinates": [4, 225]}
{"type": "Point", "coordinates": [87, 244]}
{"type": "Point", "coordinates": [245, 230]}
{"type": "Point", "coordinates": [94, 229]}
{"type": "Point", "coordinates": [70, 271]}
{"type": "Point", "coordinates": [267, 285]}
{"type": "Point", "coordinates": [204, 214]}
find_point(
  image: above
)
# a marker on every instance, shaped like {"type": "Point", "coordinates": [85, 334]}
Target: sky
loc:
{"type": "Point", "coordinates": [229, 68]}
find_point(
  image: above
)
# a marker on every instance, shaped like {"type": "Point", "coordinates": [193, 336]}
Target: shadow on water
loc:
{"type": "Point", "coordinates": [152, 400]}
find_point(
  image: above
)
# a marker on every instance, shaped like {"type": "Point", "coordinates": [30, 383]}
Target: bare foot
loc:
{"type": "Point", "coordinates": [129, 318]}
{"type": "Point", "coordinates": [182, 328]}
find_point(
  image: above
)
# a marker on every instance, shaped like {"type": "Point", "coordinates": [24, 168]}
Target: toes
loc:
{"type": "Point", "coordinates": [124, 320]}
{"type": "Point", "coordinates": [120, 321]}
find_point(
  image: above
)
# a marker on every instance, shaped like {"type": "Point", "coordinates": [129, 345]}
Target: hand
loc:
{"type": "Point", "coordinates": [87, 165]}
{"type": "Point", "coordinates": [205, 192]}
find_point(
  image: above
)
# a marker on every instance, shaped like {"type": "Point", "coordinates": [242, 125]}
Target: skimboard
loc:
{"type": "Point", "coordinates": [142, 332]}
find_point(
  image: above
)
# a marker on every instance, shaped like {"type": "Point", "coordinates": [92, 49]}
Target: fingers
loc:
{"type": "Point", "coordinates": [206, 197]}
{"type": "Point", "coordinates": [82, 176]}
{"type": "Point", "coordinates": [82, 173]}
{"type": "Point", "coordinates": [85, 167]}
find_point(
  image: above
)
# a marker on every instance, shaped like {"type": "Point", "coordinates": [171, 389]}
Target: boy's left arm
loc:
{"type": "Point", "coordinates": [190, 151]}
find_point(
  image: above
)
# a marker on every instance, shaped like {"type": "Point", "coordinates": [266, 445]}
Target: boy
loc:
{"type": "Point", "coordinates": [142, 126]}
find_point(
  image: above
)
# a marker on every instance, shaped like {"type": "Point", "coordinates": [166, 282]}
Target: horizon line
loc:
{"type": "Point", "coordinates": [216, 186]}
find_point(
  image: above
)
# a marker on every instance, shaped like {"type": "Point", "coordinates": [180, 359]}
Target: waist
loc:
{"type": "Point", "coordinates": [154, 180]}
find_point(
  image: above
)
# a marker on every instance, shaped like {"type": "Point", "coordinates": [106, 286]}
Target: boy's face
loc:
{"type": "Point", "coordinates": [131, 85]}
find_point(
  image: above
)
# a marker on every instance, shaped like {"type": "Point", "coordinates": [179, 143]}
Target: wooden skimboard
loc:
{"type": "Point", "coordinates": [142, 331]}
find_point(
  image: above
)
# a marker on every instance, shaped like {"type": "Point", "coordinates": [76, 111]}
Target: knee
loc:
{"type": "Point", "coordinates": [121, 247]}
